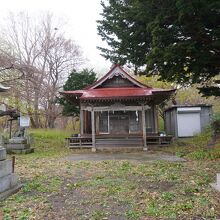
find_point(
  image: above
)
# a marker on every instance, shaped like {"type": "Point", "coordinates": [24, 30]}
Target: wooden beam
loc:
{"type": "Point", "coordinates": [116, 108]}
{"type": "Point", "coordinates": [144, 128]}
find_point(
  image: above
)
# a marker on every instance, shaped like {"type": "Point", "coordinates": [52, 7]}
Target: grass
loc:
{"type": "Point", "coordinates": [55, 188]}
{"type": "Point", "coordinates": [49, 142]}
{"type": "Point", "coordinates": [196, 148]}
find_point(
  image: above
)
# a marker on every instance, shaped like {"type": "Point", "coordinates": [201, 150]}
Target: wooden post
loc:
{"type": "Point", "coordinates": [13, 164]}
{"type": "Point", "coordinates": [10, 129]}
{"type": "Point", "coordinates": [156, 119]}
{"type": "Point", "coordinates": [81, 122]}
{"type": "Point", "coordinates": [93, 130]}
{"type": "Point", "coordinates": [144, 128]}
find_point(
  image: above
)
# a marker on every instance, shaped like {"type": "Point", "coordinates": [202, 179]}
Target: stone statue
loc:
{"type": "Point", "coordinates": [20, 133]}
{"type": "Point", "coordinates": [20, 142]}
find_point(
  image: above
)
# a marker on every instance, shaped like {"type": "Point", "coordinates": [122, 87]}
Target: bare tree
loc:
{"type": "Point", "coordinates": [40, 45]}
{"type": "Point", "coordinates": [62, 55]}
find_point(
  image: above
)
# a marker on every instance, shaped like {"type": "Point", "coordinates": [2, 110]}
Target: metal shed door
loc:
{"type": "Point", "coordinates": [188, 124]}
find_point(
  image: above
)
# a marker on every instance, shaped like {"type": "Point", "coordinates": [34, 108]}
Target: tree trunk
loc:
{"type": "Point", "coordinates": [51, 122]}
{"type": "Point", "coordinates": [51, 115]}
{"type": "Point", "coordinates": [36, 108]}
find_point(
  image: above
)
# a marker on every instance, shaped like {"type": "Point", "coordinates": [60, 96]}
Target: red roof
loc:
{"type": "Point", "coordinates": [112, 93]}
{"type": "Point", "coordinates": [94, 92]}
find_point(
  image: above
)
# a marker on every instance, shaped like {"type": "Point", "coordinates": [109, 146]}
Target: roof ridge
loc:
{"type": "Point", "coordinates": [106, 76]}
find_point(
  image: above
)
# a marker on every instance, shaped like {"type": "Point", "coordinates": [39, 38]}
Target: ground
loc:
{"type": "Point", "coordinates": [145, 156]}
{"type": "Point", "coordinates": [57, 185]}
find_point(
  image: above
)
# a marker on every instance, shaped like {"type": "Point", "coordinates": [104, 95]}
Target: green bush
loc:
{"type": "Point", "coordinates": [203, 154]}
{"type": "Point", "coordinates": [197, 148]}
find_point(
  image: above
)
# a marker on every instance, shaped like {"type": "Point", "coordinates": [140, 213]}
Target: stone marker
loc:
{"type": "Point", "coordinates": [217, 184]}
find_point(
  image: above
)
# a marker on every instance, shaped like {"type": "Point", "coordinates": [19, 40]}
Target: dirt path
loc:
{"type": "Point", "coordinates": [137, 156]}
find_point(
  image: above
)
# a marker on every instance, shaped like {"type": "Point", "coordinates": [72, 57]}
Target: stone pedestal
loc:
{"type": "Point", "coordinates": [19, 145]}
{"type": "Point", "coordinates": [8, 179]}
{"type": "Point", "coordinates": [217, 184]}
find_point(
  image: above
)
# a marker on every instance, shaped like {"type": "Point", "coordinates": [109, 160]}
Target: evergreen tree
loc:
{"type": "Point", "coordinates": [76, 81]}
{"type": "Point", "coordinates": [177, 39]}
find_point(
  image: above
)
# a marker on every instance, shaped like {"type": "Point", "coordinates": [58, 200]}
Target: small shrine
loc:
{"type": "Point", "coordinates": [117, 111]}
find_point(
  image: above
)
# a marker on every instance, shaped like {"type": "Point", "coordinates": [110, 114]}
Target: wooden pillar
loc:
{"type": "Point", "coordinates": [81, 122]}
{"type": "Point", "coordinates": [144, 128]}
{"type": "Point", "coordinates": [156, 119]}
{"type": "Point", "coordinates": [93, 130]}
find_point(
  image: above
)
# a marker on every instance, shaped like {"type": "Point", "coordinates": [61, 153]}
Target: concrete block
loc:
{"type": "Point", "coordinates": [2, 153]}
{"type": "Point", "coordinates": [17, 146]}
{"type": "Point", "coordinates": [8, 182]}
{"type": "Point", "coordinates": [145, 149]}
{"type": "Point", "coordinates": [5, 168]}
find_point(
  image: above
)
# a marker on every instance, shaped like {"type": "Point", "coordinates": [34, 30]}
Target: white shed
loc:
{"type": "Point", "coordinates": [187, 120]}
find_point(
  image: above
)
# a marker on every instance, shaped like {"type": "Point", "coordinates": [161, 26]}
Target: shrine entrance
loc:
{"type": "Point", "coordinates": [119, 122]}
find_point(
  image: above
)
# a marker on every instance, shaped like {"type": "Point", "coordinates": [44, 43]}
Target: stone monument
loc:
{"type": "Point", "coordinates": [8, 179]}
{"type": "Point", "coordinates": [20, 142]}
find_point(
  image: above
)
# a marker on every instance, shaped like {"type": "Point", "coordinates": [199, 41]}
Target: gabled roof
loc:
{"type": "Point", "coordinates": [117, 70]}
{"type": "Point", "coordinates": [138, 91]}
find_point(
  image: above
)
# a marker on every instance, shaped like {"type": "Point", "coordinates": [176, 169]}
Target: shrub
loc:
{"type": "Point", "coordinates": [216, 123]}
{"type": "Point", "coordinates": [202, 154]}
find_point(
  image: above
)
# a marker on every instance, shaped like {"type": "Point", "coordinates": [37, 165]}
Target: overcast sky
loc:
{"type": "Point", "coordinates": [80, 15]}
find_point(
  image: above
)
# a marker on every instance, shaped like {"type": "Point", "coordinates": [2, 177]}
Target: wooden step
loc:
{"type": "Point", "coordinates": [119, 142]}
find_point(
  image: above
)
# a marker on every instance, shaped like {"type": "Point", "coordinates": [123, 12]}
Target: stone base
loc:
{"type": "Point", "coordinates": [215, 186]}
{"type": "Point", "coordinates": [18, 141]}
{"type": "Point", "coordinates": [17, 146]}
{"type": "Point", "coordinates": [20, 151]}
{"type": "Point", "coordinates": [145, 149]}
{"type": "Point", "coordinates": [9, 192]}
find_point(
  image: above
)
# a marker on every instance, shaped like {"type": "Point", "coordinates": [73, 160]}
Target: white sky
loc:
{"type": "Point", "coordinates": [80, 15]}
